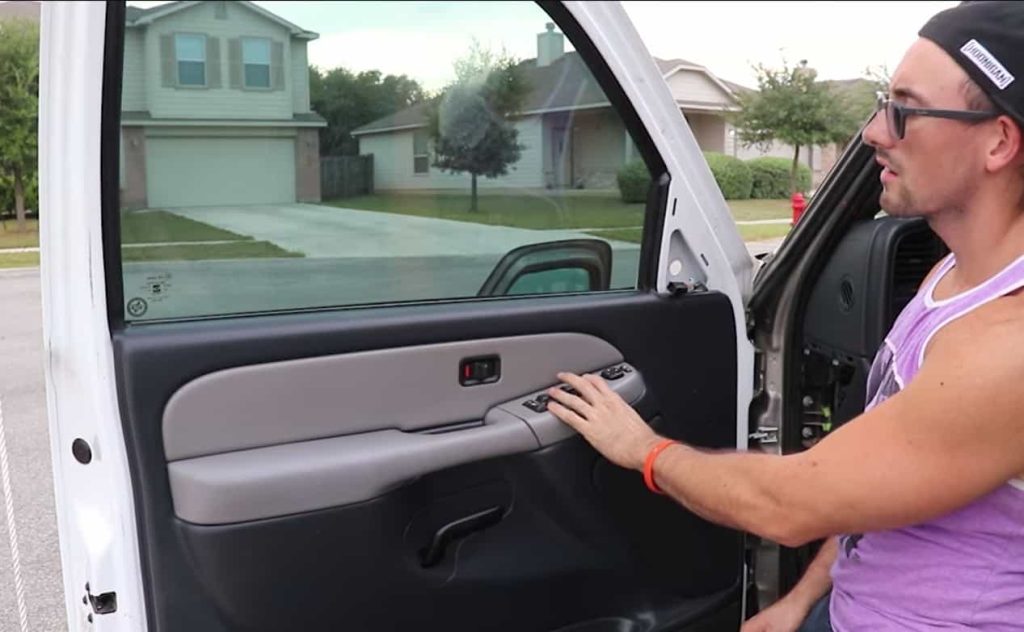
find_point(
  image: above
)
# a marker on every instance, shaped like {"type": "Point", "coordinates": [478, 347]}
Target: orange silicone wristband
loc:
{"type": "Point", "coordinates": [649, 464]}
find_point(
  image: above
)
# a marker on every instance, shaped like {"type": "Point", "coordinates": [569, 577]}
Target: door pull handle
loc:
{"type": "Point", "coordinates": [446, 535]}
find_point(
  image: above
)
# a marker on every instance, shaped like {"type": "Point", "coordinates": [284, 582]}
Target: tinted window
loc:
{"type": "Point", "coordinates": [388, 154]}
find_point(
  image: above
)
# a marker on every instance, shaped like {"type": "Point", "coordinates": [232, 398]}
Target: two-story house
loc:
{"type": "Point", "coordinates": [215, 108]}
{"type": "Point", "coordinates": [569, 135]}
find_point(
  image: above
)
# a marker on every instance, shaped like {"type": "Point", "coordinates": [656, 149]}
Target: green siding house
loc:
{"type": "Point", "coordinates": [215, 108]}
{"type": "Point", "coordinates": [569, 133]}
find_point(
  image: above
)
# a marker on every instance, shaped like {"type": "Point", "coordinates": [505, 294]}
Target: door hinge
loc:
{"type": "Point", "coordinates": [765, 435]}
{"type": "Point", "coordinates": [103, 603]}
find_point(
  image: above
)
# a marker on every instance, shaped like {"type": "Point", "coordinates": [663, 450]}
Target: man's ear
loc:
{"type": "Point", "coordinates": [1007, 147]}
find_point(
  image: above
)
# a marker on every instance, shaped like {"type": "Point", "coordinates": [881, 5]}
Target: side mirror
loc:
{"type": "Point", "coordinates": [571, 265]}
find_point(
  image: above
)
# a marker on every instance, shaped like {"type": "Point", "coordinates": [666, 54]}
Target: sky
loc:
{"type": "Point", "coordinates": [841, 40]}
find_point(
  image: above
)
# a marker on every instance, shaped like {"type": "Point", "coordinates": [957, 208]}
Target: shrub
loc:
{"type": "Point", "coordinates": [634, 181]}
{"type": "Point", "coordinates": [732, 175]}
{"type": "Point", "coordinates": [771, 178]}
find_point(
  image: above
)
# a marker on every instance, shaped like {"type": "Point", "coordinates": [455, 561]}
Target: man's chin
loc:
{"type": "Point", "coordinates": [895, 207]}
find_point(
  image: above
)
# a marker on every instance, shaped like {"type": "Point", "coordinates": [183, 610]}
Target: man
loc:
{"type": "Point", "coordinates": [920, 499]}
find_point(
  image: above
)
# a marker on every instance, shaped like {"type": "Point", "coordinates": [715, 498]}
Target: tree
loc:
{"type": "Point", "coordinates": [793, 107]}
{"type": "Point", "coordinates": [19, 103]}
{"type": "Point", "coordinates": [470, 122]}
{"type": "Point", "coordinates": [348, 100]}
{"type": "Point", "coordinates": [859, 97]}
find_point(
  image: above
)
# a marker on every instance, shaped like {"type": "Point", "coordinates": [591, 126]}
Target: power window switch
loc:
{"type": "Point", "coordinates": [535, 406]}
{"type": "Point", "coordinates": [613, 373]}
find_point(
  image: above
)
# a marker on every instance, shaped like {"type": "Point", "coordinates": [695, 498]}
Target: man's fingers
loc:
{"type": "Point", "coordinates": [570, 401]}
{"type": "Point", "coordinates": [567, 415]}
{"type": "Point", "coordinates": [600, 384]}
{"type": "Point", "coordinates": [585, 388]}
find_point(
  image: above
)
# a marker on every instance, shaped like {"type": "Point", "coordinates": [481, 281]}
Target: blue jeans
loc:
{"type": "Point", "coordinates": [818, 619]}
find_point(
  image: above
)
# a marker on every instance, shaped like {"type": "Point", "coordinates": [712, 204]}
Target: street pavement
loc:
{"type": "Point", "coordinates": [30, 480]}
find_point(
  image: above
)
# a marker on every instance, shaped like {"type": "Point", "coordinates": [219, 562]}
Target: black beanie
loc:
{"type": "Point", "coordinates": [987, 40]}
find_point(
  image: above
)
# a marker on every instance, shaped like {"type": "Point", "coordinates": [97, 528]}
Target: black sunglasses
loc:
{"type": "Point", "coordinates": [896, 115]}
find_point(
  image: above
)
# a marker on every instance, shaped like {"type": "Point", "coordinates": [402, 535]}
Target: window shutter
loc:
{"type": "Point", "coordinates": [235, 63]}
{"type": "Point", "coordinates": [276, 66]}
{"type": "Point", "coordinates": [212, 62]}
{"type": "Point", "coordinates": [168, 62]}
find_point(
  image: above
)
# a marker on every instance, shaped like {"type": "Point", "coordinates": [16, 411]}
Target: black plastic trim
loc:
{"type": "Point", "coordinates": [593, 255]}
{"type": "Point", "coordinates": [654, 227]}
{"type": "Point", "coordinates": [110, 147]}
{"type": "Point", "coordinates": [696, 396]}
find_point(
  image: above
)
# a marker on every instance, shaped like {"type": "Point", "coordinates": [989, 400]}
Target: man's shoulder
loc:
{"type": "Point", "coordinates": [993, 331]}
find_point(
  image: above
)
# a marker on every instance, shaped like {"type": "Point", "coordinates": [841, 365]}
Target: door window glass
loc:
{"type": "Point", "coordinates": [408, 151]}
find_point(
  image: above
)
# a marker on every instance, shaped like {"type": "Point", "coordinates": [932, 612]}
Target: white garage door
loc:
{"type": "Point", "coordinates": [219, 171]}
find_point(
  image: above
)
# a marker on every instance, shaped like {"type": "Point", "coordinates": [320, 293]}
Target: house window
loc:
{"type": "Point", "coordinates": [420, 152]}
{"type": "Point", "coordinates": [190, 52]}
{"type": "Point", "coordinates": [256, 62]}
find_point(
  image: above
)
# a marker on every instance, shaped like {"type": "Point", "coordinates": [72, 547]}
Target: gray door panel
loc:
{"type": "Point", "coordinates": [305, 476]}
{"type": "Point", "coordinates": [579, 541]}
{"type": "Point", "coordinates": [287, 479]}
{"type": "Point", "coordinates": [314, 398]}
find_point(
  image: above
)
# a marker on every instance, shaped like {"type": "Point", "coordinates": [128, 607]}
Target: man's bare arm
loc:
{"type": "Point", "coordinates": [790, 611]}
{"type": "Point", "coordinates": [817, 580]}
{"type": "Point", "coordinates": [955, 433]}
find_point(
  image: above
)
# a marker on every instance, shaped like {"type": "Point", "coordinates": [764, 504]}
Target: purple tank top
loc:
{"type": "Point", "coordinates": [964, 570]}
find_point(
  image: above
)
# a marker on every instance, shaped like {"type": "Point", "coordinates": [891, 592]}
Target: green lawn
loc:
{"type": "Point", "coordinates": [19, 260]}
{"type": "Point", "coordinates": [571, 210]}
{"type": "Point", "coordinates": [160, 227]}
{"type": "Point", "coordinates": [764, 231]}
{"type": "Point", "coordinates": [193, 252]}
{"type": "Point", "coordinates": [747, 210]}
{"type": "Point", "coordinates": [152, 227]}
{"type": "Point", "coordinates": [539, 211]}
{"type": "Point", "coordinates": [10, 237]}
{"type": "Point", "coordinates": [521, 210]}
{"type": "Point", "coordinates": [749, 233]}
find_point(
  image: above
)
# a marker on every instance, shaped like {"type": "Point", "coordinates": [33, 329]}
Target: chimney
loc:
{"type": "Point", "coordinates": [550, 46]}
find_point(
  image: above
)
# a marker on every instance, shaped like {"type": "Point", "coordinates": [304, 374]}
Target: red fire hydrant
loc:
{"type": "Point", "coordinates": [799, 204]}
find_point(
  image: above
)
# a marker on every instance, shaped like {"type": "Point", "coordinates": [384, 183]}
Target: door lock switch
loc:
{"type": "Point", "coordinates": [474, 371]}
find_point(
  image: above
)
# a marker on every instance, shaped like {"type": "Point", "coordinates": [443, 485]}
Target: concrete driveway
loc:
{"type": "Point", "coordinates": [353, 257]}
{"type": "Point", "coordinates": [327, 231]}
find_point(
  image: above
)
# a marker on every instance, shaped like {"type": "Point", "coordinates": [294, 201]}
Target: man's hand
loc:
{"type": "Point", "coordinates": [782, 616]}
{"type": "Point", "coordinates": [604, 419]}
